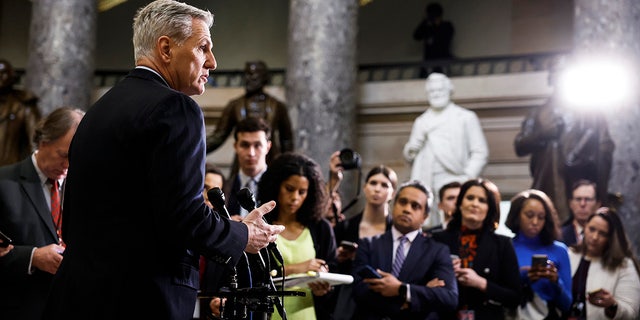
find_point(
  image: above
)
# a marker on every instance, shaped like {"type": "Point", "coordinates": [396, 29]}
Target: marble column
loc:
{"type": "Point", "coordinates": [321, 76]}
{"type": "Point", "coordinates": [613, 28]}
{"type": "Point", "coordinates": [62, 43]}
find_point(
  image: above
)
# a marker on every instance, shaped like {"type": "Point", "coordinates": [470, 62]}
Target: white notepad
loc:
{"type": "Point", "coordinates": [302, 279]}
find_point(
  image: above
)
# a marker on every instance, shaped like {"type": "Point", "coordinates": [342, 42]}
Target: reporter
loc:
{"type": "Point", "coordinates": [547, 289]}
{"type": "Point", "coordinates": [606, 275]}
{"type": "Point", "coordinates": [487, 270]}
{"type": "Point", "coordinates": [307, 243]}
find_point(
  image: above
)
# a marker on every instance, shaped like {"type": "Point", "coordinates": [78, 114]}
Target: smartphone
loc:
{"type": "Point", "coordinates": [6, 241]}
{"type": "Point", "coordinates": [368, 272]}
{"type": "Point", "coordinates": [590, 293]}
{"type": "Point", "coordinates": [348, 245]}
{"type": "Point", "coordinates": [539, 260]}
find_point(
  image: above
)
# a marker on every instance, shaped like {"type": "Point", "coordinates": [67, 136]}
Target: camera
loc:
{"type": "Point", "coordinates": [349, 159]}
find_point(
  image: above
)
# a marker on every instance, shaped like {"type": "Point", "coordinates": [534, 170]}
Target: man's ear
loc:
{"type": "Point", "coordinates": [268, 146]}
{"type": "Point", "coordinates": [164, 47]}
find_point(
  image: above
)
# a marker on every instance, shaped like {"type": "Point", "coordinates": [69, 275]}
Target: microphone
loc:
{"type": "Point", "coordinates": [247, 201]}
{"type": "Point", "coordinates": [216, 197]}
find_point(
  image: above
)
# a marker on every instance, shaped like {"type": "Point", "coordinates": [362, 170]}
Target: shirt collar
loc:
{"type": "Point", "coordinates": [43, 178]}
{"type": "Point", "coordinates": [156, 72]}
{"type": "Point", "coordinates": [397, 234]}
{"type": "Point", "coordinates": [245, 178]}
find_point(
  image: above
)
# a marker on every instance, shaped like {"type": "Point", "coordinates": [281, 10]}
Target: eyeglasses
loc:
{"type": "Point", "coordinates": [585, 199]}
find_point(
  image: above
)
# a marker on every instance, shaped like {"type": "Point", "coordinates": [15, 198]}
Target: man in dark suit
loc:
{"type": "Point", "coordinates": [425, 283]}
{"type": "Point", "coordinates": [583, 203]}
{"type": "Point", "coordinates": [135, 217]}
{"type": "Point", "coordinates": [252, 143]}
{"type": "Point", "coordinates": [25, 216]}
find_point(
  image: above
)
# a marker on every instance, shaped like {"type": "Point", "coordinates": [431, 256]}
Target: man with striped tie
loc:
{"type": "Point", "coordinates": [417, 279]}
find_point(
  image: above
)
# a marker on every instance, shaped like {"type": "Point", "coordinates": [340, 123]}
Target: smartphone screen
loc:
{"type": "Point", "coordinates": [539, 260]}
{"type": "Point", "coordinates": [368, 272]}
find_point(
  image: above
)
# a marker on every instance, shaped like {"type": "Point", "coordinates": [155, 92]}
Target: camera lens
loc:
{"type": "Point", "coordinates": [349, 159]}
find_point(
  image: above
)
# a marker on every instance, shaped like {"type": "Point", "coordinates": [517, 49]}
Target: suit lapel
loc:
{"type": "Point", "coordinates": [386, 242]}
{"type": "Point", "coordinates": [30, 183]}
{"type": "Point", "coordinates": [413, 259]}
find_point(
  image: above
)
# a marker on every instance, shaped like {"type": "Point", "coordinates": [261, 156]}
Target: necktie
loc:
{"type": "Point", "coordinates": [252, 184]}
{"type": "Point", "coordinates": [399, 260]}
{"type": "Point", "coordinates": [56, 213]}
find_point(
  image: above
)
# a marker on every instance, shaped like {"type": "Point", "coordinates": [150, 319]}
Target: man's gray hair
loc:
{"type": "Point", "coordinates": [164, 18]}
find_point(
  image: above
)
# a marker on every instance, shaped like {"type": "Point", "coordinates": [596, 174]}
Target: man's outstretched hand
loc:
{"type": "Point", "coordinates": [260, 232]}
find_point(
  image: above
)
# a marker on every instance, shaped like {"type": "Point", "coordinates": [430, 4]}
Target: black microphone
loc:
{"type": "Point", "coordinates": [216, 197]}
{"type": "Point", "coordinates": [247, 201]}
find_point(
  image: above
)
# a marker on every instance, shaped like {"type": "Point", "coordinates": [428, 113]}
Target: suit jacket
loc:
{"type": "Point", "coordinates": [425, 260]}
{"type": "Point", "coordinates": [569, 234]}
{"type": "Point", "coordinates": [25, 217]}
{"type": "Point", "coordinates": [495, 261]}
{"type": "Point", "coordinates": [135, 218]}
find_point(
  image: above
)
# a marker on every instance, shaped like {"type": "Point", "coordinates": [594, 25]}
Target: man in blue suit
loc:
{"type": "Point", "coordinates": [135, 217]}
{"type": "Point", "coordinates": [425, 283]}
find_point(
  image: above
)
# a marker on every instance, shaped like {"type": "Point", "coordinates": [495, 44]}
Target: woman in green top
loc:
{"type": "Point", "coordinates": [307, 244]}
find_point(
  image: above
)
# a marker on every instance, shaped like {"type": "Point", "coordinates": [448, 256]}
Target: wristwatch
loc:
{"type": "Point", "coordinates": [402, 292]}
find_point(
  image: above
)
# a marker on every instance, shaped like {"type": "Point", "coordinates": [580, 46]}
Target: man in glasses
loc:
{"type": "Point", "coordinates": [583, 203]}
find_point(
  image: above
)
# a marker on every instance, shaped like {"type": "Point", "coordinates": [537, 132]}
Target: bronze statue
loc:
{"type": "Point", "coordinates": [19, 114]}
{"type": "Point", "coordinates": [255, 103]}
{"type": "Point", "coordinates": [565, 145]}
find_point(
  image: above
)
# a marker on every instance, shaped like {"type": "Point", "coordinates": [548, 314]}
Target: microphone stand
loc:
{"type": "Point", "coordinates": [216, 197]}
{"type": "Point", "coordinates": [247, 297]}
{"type": "Point", "coordinates": [247, 201]}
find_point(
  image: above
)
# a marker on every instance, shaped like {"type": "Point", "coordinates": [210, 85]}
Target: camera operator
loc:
{"type": "Point", "coordinates": [345, 159]}
{"type": "Point", "coordinates": [374, 219]}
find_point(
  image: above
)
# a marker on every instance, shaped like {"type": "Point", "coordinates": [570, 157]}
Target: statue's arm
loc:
{"type": "Point", "coordinates": [285, 129]}
{"type": "Point", "coordinates": [605, 158]}
{"type": "Point", "coordinates": [416, 142]}
{"type": "Point", "coordinates": [538, 129]}
{"type": "Point", "coordinates": [223, 129]}
{"type": "Point", "coordinates": [478, 149]}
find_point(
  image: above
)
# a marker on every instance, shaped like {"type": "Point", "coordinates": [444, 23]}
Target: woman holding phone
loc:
{"type": "Point", "coordinates": [545, 271]}
{"type": "Point", "coordinates": [606, 275]}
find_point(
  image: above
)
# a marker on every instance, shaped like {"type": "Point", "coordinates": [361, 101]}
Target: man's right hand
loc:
{"type": "Point", "coordinates": [48, 258]}
{"type": "Point", "coordinates": [260, 232]}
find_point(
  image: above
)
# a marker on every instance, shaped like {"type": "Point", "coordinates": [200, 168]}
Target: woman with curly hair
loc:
{"type": "Point", "coordinates": [295, 182]}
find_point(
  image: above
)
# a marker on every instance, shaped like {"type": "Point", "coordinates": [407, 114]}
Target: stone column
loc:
{"type": "Point", "coordinates": [321, 76]}
{"type": "Point", "coordinates": [613, 27]}
{"type": "Point", "coordinates": [62, 44]}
